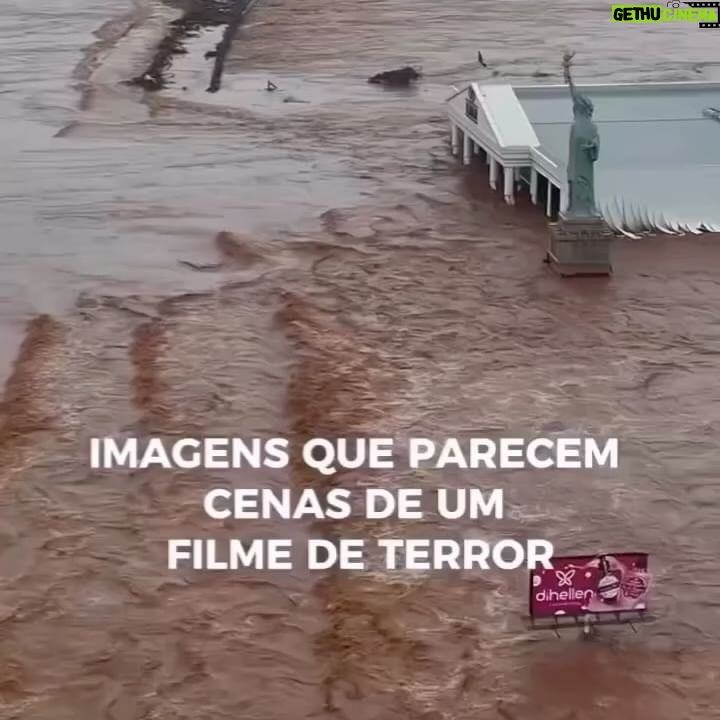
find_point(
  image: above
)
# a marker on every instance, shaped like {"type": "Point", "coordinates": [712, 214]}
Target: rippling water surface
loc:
{"type": "Point", "coordinates": [235, 264]}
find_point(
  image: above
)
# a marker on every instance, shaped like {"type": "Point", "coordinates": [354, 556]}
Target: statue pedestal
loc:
{"type": "Point", "coordinates": [580, 246]}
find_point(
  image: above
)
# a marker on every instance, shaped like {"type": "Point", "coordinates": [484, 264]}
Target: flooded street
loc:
{"type": "Point", "coordinates": [181, 263]}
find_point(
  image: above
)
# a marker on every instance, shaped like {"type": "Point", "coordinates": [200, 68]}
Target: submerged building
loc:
{"type": "Point", "coordinates": [659, 163]}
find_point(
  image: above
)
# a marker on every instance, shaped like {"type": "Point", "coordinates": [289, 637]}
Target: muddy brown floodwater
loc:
{"type": "Point", "coordinates": [186, 264]}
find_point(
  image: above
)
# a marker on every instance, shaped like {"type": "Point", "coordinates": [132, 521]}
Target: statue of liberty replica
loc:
{"type": "Point", "coordinates": [583, 152]}
{"type": "Point", "coordinates": [580, 239]}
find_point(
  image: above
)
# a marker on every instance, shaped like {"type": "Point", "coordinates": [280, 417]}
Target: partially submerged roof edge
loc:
{"type": "Point", "coordinates": [674, 85]}
{"type": "Point", "coordinates": [459, 92]}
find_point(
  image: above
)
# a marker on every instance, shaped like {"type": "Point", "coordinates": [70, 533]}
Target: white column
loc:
{"type": "Point", "coordinates": [493, 172]}
{"type": "Point", "coordinates": [548, 208]}
{"type": "Point", "coordinates": [476, 148]}
{"type": "Point", "coordinates": [509, 181]}
{"type": "Point", "coordinates": [454, 137]}
{"type": "Point", "coordinates": [563, 199]}
{"type": "Point", "coordinates": [533, 186]}
{"type": "Point", "coordinates": [467, 149]}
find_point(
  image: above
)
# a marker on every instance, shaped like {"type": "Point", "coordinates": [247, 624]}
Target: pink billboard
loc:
{"type": "Point", "coordinates": [590, 584]}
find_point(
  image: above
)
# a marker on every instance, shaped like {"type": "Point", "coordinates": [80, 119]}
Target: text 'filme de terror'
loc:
{"type": "Point", "coordinates": [327, 457]}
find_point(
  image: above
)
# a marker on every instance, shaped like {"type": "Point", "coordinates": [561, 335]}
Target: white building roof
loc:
{"type": "Point", "coordinates": [511, 124]}
{"type": "Point", "coordinates": [659, 164]}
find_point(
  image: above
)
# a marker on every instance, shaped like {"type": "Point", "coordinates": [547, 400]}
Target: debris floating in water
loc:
{"type": "Point", "coordinates": [396, 78]}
